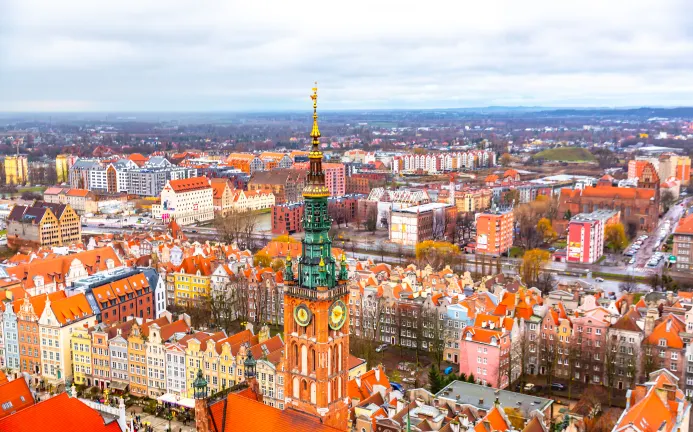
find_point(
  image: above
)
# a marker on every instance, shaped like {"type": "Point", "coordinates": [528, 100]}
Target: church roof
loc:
{"type": "Point", "coordinates": [239, 413]}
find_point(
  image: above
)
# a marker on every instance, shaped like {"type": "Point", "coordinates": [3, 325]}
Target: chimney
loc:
{"type": "Point", "coordinates": [662, 393]}
{"type": "Point", "coordinates": [455, 426]}
{"type": "Point", "coordinates": [668, 326]}
{"type": "Point", "coordinates": [377, 374]}
{"type": "Point", "coordinates": [481, 401]}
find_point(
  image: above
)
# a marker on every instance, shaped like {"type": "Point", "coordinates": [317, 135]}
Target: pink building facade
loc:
{"type": "Point", "coordinates": [484, 353]}
{"type": "Point", "coordinates": [335, 177]}
{"type": "Point", "coordinates": [586, 235]}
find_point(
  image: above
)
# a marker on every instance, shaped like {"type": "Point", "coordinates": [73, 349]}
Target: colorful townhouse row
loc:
{"type": "Point", "coordinates": [497, 329]}
{"type": "Point", "coordinates": [154, 358]}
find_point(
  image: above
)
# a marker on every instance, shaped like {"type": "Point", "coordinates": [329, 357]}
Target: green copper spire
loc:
{"type": "Point", "coordinates": [316, 267]}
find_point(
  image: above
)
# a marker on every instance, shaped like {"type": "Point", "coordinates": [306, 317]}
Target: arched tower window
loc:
{"type": "Point", "coordinates": [304, 360]}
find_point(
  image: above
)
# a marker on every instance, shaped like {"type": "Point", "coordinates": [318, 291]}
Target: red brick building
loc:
{"type": "Point", "coordinates": [357, 184]}
{"type": "Point", "coordinates": [124, 297]}
{"type": "Point", "coordinates": [343, 210]}
{"type": "Point", "coordinates": [639, 206]}
{"type": "Point", "coordinates": [286, 218]}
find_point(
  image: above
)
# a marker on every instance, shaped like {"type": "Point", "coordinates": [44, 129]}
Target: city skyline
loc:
{"type": "Point", "coordinates": [260, 57]}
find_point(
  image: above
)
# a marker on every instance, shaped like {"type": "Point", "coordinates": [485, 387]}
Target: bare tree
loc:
{"type": "Point", "coordinates": [548, 357]}
{"type": "Point", "coordinates": [628, 285]}
{"type": "Point", "coordinates": [649, 364]}
{"type": "Point", "coordinates": [220, 304]}
{"type": "Point", "coordinates": [571, 350]}
{"type": "Point", "coordinates": [519, 358]}
{"type": "Point", "coordinates": [611, 347]}
{"type": "Point", "coordinates": [545, 282]}
{"type": "Point", "coordinates": [237, 227]}
{"type": "Point", "coordinates": [240, 301]}
{"type": "Point", "coordinates": [433, 333]}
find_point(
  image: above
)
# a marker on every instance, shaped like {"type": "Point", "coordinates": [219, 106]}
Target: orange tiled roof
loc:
{"type": "Point", "coordinates": [648, 411]}
{"type": "Point", "coordinates": [362, 387]}
{"type": "Point", "coordinates": [481, 334]}
{"type": "Point", "coordinates": [190, 184]}
{"type": "Point", "coordinates": [17, 394]}
{"type": "Point", "coordinates": [493, 421]}
{"type": "Point", "coordinates": [685, 225]}
{"type": "Point", "coordinates": [218, 189]}
{"type": "Point", "coordinates": [70, 309]}
{"type": "Point", "coordinates": [67, 414]}
{"type": "Point", "coordinates": [78, 192]}
{"type": "Point", "coordinates": [55, 269]}
{"type": "Point", "coordinates": [242, 412]}
{"type": "Point", "coordinates": [668, 329]}
{"type": "Point", "coordinates": [120, 288]}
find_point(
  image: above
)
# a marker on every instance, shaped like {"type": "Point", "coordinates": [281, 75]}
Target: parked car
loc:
{"type": "Point", "coordinates": [557, 386]}
{"type": "Point", "coordinates": [599, 279]}
{"type": "Point", "coordinates": [529, 387]}
{"type": "Point", "coordinates": [381, 348]}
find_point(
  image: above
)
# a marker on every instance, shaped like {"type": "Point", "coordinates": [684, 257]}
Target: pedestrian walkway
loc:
{"type": "Point", "coordinates": [159, 424]}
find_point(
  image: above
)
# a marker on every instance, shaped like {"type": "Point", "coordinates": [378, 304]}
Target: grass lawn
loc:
{"type": "Point", "coordinates": [516, 252]}
{"type": "Point", "coordinates": [559, 244]}
{"type": "Point", "coordinates": [32, 189]}
{"type": "Point", "coordinates": [566, 154]}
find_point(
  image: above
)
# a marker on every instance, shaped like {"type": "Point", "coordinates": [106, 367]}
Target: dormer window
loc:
{"type": "Point", "coordinates": [662, 342]}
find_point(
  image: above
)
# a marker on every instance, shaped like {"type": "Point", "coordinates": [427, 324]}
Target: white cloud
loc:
{"type": "Point", "coordinates": [264, 54]}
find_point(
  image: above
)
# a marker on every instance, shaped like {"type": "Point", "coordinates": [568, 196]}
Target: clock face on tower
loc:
{"type": "Point", "coordinates": [302, 315]}
{"type": "Point", "coordinates": [337, 315]}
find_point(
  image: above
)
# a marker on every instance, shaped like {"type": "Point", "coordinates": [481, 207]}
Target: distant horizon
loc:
{"type": "Point", "coordinates": [473, 109]}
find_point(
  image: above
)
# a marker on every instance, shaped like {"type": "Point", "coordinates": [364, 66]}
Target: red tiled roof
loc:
{"type": "Point", "coordinates": [18, 395]}
{"type": "Point", "coordinates": [64, 414]}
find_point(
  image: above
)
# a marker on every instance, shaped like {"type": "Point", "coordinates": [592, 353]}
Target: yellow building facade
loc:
{"type": "Point", "coordinates": [190, 288]}
{"type": "Point", "coordinates": [80, 342]}
{"type": "Point", "coordinates": [137, 357]}
{"type": "Point", "coordinates": [16, 170]}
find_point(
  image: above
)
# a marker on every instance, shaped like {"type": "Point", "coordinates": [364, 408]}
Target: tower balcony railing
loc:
{"type": "Point", "coordinates": [321, 293]}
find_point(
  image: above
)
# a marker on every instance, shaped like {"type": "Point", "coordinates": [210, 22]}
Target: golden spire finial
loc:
{"type": "Point", "coordinates": [315, 133]}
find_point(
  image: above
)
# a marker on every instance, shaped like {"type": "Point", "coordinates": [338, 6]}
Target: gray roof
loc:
{"type": "Point", "coordinates": [86, 164]}
{"type": "Point", "coordinates": [483, 397]}
{"type": "Point", "coordinates": [157, 161]}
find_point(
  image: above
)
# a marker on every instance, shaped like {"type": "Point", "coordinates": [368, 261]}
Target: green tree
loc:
{"type": "Point", "coordinates": [434, 379]}
{"type": "Point", "coordinates": [471, 379]}
{"type": "Point", "coordinates": [545, 230]}
{"type": "Point", "coordinates": [615, 237]}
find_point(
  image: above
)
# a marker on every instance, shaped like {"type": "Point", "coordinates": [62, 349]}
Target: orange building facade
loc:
{"type": "Point", "coordinates": [494, 232]}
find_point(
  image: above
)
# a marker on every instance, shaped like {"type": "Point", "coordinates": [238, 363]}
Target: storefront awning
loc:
{"type": "Point", "coordinates": [119, 385]}
{"type": "Point", "coordinates": [177, 400]}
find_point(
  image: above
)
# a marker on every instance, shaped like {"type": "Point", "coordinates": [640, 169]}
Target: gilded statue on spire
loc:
{"type": "Point", "coordinates": [315, 132]}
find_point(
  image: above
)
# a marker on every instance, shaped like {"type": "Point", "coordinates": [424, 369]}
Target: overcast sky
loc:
{"type": "Point", "coordinates": [211, 55]}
